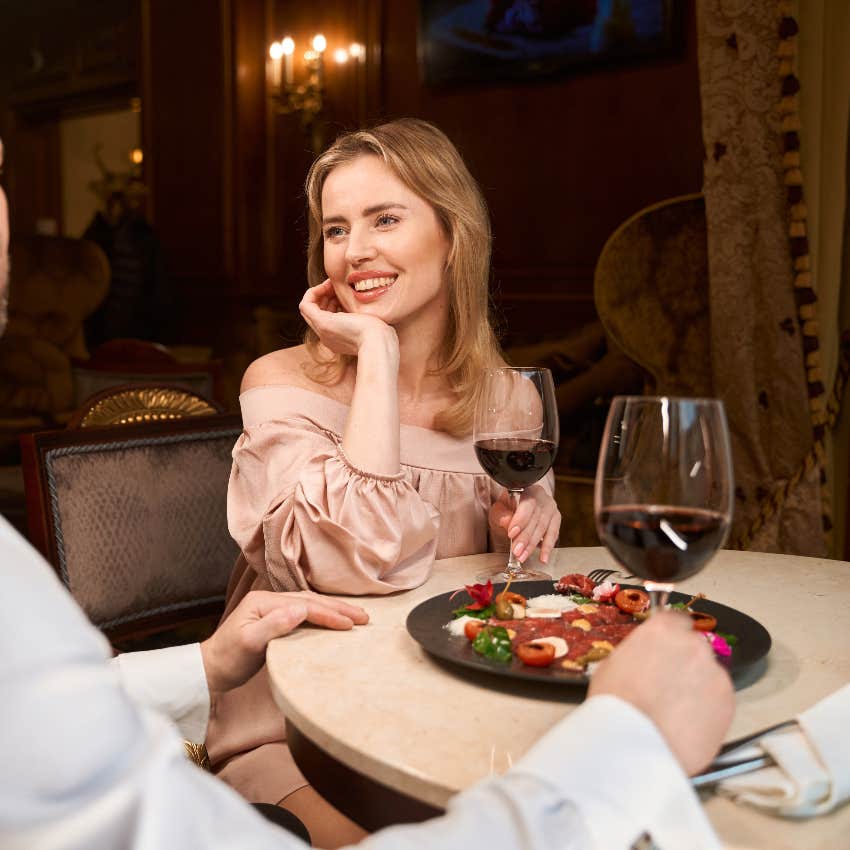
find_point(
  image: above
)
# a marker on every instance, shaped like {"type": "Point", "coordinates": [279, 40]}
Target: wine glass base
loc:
{"type": "Point", "coordinates": [498, 574]}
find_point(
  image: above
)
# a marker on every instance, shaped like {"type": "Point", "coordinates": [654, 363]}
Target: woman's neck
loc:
{"type": "Point", "coordinates": [419, 358]}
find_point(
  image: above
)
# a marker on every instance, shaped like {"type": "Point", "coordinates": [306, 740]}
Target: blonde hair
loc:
{"type": "Point", "coordinates": [423, 158]}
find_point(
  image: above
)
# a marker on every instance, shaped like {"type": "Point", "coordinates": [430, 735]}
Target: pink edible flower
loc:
{"type": "Point", "coordinates": [719, 644]}
{"type": "Point", "coordinates": [605, 592]}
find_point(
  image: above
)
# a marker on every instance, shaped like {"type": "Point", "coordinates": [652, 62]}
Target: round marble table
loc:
{"type": "Point", "coordinates": [373, 701]}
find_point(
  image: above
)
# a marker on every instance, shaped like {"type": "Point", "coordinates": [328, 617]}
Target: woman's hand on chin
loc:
{"type": "Point", "coordinates": [341, 332]}
{"type": "Point", "coordinates": [537, 520]}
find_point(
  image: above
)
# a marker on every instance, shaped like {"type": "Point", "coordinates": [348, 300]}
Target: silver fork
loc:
{"type": "Point", "coordinates": [600, 575]}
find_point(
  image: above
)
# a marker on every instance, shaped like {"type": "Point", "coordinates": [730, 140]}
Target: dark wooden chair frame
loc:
{"type": "Point", "coordinates": [40, 520]}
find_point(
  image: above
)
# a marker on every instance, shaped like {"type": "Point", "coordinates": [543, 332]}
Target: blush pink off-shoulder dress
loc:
{"type": "Point", "coordinates": [305, 518]}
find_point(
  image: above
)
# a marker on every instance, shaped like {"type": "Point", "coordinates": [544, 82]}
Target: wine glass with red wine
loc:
{"type": "Point", "coordinates": [516, 433]}
{"type": "Point", "coordinates": [663, 495]}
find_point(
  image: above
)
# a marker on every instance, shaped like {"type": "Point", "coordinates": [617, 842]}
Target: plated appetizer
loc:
{"type": "Point", "coordinates": [571, 629]}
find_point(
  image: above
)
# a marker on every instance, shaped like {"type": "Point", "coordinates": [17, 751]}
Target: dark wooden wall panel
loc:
{"type": "Point", "coordinates": [190, 125]}
{"type": "Point", "coordinates": [562, 162]}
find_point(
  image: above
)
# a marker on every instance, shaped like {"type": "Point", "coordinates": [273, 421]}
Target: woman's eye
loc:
{"type": "Point", "coordinates": [334, 232]}
{"type": "Point", "coordinates": [386, 220]}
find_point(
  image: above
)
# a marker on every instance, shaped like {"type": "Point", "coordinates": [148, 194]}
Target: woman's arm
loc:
{"type": "Point", "coordinates": [371, 437]}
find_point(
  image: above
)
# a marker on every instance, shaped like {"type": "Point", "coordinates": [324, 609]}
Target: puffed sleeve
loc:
{"type": "Point", "coordinates": [306, 518]}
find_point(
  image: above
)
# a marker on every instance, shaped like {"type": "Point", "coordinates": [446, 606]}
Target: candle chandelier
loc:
{"type": "Point", "coordinates": [305, 98]}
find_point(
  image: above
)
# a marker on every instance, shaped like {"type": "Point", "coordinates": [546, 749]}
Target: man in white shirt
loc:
{"type": "Point", "coordinates": [91, 760]}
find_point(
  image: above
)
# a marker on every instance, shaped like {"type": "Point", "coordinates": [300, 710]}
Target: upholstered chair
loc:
{"type": "Point", "coordinates": [133, 519]}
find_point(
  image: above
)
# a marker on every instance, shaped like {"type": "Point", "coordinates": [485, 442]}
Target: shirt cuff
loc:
{"type": "Point", "coordinates": [612, 761]}
{"type": "Point", "coordinates": [171, 681]}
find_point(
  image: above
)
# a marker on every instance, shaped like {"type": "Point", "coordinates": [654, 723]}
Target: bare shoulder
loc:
{"type": "Point", "coordinates": [279, 368]}
{"type": "Point", "coordinates": [289, 367]}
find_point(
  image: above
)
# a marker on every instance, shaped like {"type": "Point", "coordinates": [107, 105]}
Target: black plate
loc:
{"type": "Point", "coordinates": [426, 622]}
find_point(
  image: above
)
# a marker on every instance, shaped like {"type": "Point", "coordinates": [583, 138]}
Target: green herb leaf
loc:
{"type": "Point", "coordinates": [493, 642]}
{"type": "Point", "coordinates": [678, 606]}
{"type": "Point", "coordinates": [482, 614]}
{"type": "Point", "coordinates": [730, 639]}
{"type": "Point", "coordinates": [579, 599]}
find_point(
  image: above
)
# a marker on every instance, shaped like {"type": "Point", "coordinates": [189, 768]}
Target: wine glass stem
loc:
{"type": "Point", "coordinates": [658, 594]}
{"type": "Point", "coordinates": [514, 567]}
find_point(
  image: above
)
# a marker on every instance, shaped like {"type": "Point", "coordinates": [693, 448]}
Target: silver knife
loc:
{"type": "Point", "coordinates": [717, 774]}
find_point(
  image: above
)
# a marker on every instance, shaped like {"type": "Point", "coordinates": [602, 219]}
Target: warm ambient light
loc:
{"type": "Point", "coordinates": [305, 96]}
{"type": "Point", "coordinates": [136, 156]}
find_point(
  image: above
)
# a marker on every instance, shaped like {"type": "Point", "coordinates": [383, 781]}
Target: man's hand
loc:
{"type": "Point", "coordinates": [668, 671]}
{"type": "Point", "coordinates": [237, 649]}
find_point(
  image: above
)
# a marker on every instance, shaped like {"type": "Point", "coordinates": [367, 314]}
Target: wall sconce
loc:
{"type": "Point", "coordinates": [305, 99]}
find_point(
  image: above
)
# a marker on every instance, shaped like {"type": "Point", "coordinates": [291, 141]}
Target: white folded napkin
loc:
{"type": "Point", "coordinates": [812, 771]}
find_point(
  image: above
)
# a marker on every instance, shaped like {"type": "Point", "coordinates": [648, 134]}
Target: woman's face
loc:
{"type": "Point", "coordinates": [384, 249]}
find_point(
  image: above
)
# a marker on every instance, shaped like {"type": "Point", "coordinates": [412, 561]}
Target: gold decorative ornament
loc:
{"type": "Point", "coordinates": [135, 406]}
{"type": "Point", "coordinates": [197, 754]}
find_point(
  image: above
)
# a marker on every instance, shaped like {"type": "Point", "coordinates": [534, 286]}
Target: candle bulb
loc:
{"type": "Point", "coordinates": [288, 46]}
{"type": "Point", "coordinates": [276, 51]}
{"type": "Point", "coordinates": [320, 43]}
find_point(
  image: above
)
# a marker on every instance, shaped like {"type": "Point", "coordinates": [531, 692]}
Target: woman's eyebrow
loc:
{"type": "Point", "coordinates": [375, 208]}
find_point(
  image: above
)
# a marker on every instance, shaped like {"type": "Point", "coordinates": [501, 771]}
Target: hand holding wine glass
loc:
{"type": "Point", "coordinates": [515, 435]}
{"type": "Point", "coordinates": [663, 495]}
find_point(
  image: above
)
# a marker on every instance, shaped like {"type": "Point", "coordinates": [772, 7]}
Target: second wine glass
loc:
{"type": "Point", "coordinates": [663, 495]}
{"type": "Point", "coordinates": [516, 438]}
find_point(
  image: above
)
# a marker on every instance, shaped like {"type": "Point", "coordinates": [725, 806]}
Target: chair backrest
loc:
{"type": "Point", "coordinates": [133, 405]}
{"type": "Point", "coordinates": [122, 362]}
{"type": "Point", "coordinates": [133, 518]}
{"type": "Point", "coordinates": [651, 293]}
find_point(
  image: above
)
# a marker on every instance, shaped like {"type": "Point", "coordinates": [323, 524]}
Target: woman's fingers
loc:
{"type": "Point", "coordinates": [550, 538]}
{"type": "Point", "coordinates": [525, 544]}
{"type": "Point", "coordinates": [316, 301]}
{"type": "Point", "coordinates": [535, 521]}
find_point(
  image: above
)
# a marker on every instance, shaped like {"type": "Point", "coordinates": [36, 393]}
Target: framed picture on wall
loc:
{"type": "Point", "coordinates": [488, 40]}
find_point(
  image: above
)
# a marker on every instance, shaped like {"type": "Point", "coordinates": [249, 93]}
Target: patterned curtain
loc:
{"type": "Point", "coordinates": [824, 71]}
{"type": "Point", "coordinates": [764, 334]}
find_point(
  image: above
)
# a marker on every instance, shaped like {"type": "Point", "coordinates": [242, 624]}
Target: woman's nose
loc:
{"type": "Point", "coordinates": [360, 246]}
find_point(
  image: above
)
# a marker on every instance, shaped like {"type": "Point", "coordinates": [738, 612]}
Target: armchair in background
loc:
{"type": "Point", "coordinates": [55, 284]}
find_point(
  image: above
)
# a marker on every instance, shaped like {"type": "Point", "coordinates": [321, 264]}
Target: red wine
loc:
{"type": "Point", "coordinates": [515, 463]}
{"type": "Point", "coordinates": [662, 543]}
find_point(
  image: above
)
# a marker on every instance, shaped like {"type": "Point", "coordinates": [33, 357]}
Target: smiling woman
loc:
{"type": "Point", "coordinates": [356, 467]}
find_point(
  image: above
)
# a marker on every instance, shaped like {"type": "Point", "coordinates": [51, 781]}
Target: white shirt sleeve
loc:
{"type": "Point", "coordinates": [85, 768]}
{"type": "Point", "coordinates": [171, 681]}
{"type": "Point", "coordinates": [613, 763]}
